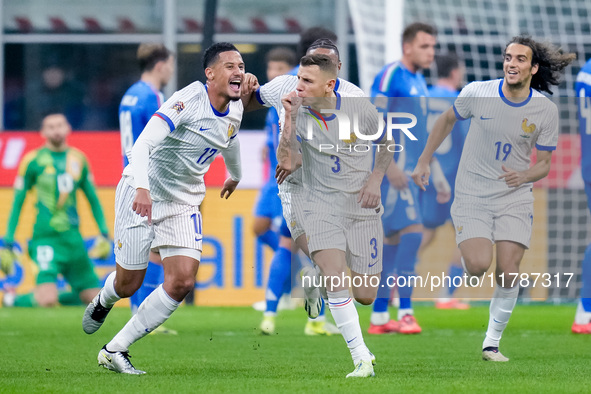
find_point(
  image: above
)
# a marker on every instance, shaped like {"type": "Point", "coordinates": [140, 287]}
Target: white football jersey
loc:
{"type": "Point", "coordinates": [501, 133]}
{"type": "Point", "coordinates": [335, 169]}
{"type": "Point", "coordinates": [270, 95]}
{"type": "Point", "coordinates": [198, 133]}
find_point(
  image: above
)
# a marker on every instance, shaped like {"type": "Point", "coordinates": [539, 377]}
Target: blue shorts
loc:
{"type": "Point", "coordinates": [268, 204]}
{"type": "Point", "coordinates": [284, 229]}
{"type": "Point", "coordinates": [401, 207]}
{"type": "Point", "coordinates": [588, 191]}
{"type": "Point", "coordinates": [434, 214]}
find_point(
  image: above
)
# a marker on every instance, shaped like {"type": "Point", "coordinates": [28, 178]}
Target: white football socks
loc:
{"type": "Point", "coordinates": [346, 318]}
{"type": "Point", "coordinates": [154, 311]}
{"type": "Point", "coordinates": [582, 317]}
{"type": "Point", "coordinates": [379, 318]}
{"type": "Point", "coordinates": [404, 312]}
{"type": "Point", "coordinates": [501, 307]}
{"type": "Point", "coordinates": [108, 294]}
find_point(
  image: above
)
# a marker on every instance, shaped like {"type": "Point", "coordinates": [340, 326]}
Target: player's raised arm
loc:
{"type": "Point", "coordinates": [441, 129]}
{"type": "Point", "coordinates": [287, 151]}
{"type": "Point", "coordinates": [248, 88]}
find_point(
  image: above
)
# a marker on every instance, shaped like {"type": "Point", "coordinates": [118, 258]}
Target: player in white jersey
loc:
{"type": "Point", "coordinates": [494, 201]}
{"type": "Point", "coordinates": [290, 191]}
{"type": "Point", "coordinates": [157, 200]}
{"type": "Point", "coordinates": [342, 214]}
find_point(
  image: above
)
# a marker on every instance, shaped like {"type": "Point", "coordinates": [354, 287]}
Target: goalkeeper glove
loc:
{"type": "Point", "coordinates": [101, 248]}
{"type": "Point", "coordinates": [7, 259]}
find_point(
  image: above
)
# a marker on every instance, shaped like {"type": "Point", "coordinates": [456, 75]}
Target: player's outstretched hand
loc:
{"type": "Point", "coordinates": [512, 178]}
{"type": "Point", "coordinates": [370, 196]}
{"type": "Point", "coordinates": [142, 203]}
{"type": "Point", "coordinates": [228, 189]}
{"type": "Point", "coordinates": [421, 174]}
{"type": "Point", "coordinates": [250, 83]}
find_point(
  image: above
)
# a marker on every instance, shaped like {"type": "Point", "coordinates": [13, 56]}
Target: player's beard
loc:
{"type": "Point", "coordinates": [57, 142]}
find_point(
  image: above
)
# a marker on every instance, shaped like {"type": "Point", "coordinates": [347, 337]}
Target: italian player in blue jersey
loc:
{"type": "Point", "coordinates": [279, 61]}
{"type": "Point", "coordinates": [582, 323]}
{"type": "Point", "coordinates": [137, 106]}
{"type": "Point", "coordinates": [435, 214]}
{"type": "Point", "coordinates": [399, 87]}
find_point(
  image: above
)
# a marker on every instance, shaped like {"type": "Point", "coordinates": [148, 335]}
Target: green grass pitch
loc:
{"type": "Point", "coordinates": [221, 350]}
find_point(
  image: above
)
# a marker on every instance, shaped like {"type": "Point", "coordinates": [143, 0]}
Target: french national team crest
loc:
{"type": "Point", "coordinates": [231, 129]}
{"type": "Point", "coordinates": [527, 129]}
{"type": "Point", "coordinates": [178, 106]}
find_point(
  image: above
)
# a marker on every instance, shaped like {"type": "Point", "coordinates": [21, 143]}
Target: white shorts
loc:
{"type": "Point", "coordinates": [173, 225]}
{"type": "Point", "coordinates": [292, 204]}
{"type": "Point", "coordinates": [511, 222]}
{"type": "Point", "coordinates": [361, 239]}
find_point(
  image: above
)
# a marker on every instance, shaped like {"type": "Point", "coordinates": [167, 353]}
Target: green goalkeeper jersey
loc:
{"type": "Point", "coordinates": [56, 176]}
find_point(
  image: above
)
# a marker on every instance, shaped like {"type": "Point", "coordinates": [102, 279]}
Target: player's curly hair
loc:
{"type": "Point", "coordinates": [550, 60]}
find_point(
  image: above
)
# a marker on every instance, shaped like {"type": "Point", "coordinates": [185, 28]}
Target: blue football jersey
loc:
{"type": "Point", "coordinates": [272, 129]}
{"type": "Point", "coordinates": [137, 107]}
{"type": "Point", "coordinates": [449, 152]}
{"type": "Point", "coordinates": [583, 92]}
{"type": "Point", "coordinates": [396, 81]}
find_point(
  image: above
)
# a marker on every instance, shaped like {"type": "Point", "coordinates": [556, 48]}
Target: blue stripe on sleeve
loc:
{"type": "Point", "coordinates": [543, 147]}
{"type": "Point", "coordinates": [258, 96]}
{"type": "Point", "coordinates": [167, 119]}
{"type": "Point", "coordinates": [458, 116]}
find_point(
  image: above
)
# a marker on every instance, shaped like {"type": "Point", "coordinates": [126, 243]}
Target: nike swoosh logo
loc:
{"type": "Point", "coordinates": [495, 320]}
{"type": "Point", "coordinates": [371, 265]}
{"type": "Point", "coordinates": [483, 118]}
{"type": "Point", "coordinates": [352, 340]}
{"type": "Point", "coordinates": [108, 358]}
{"type": "Point", "coordinates": [202, 129]}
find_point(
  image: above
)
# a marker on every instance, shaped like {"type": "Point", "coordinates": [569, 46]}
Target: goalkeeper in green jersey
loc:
{"type": "Point", "coordinates": [56, 171]}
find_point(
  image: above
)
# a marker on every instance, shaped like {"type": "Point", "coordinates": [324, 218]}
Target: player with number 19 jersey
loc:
{"type": "Point", "coordinates": [501, 133]}
{"type": "Point", "coordinates": [137, 106]}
